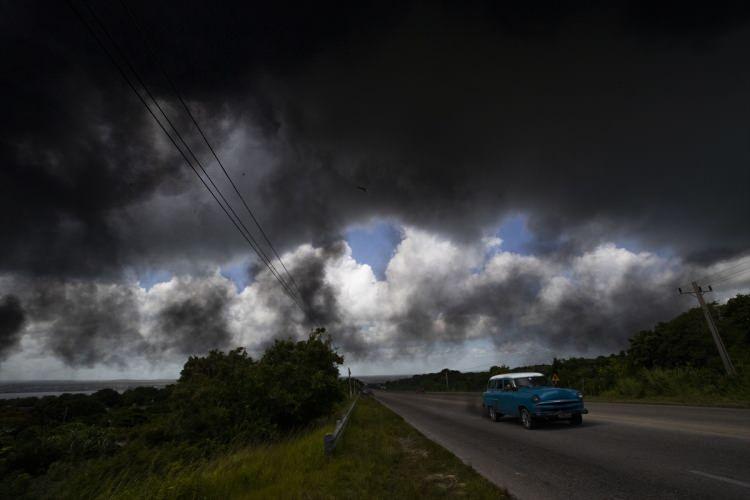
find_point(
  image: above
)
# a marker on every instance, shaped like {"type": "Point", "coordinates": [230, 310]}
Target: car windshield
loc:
{"type": "Point", "coordinates": [531, 381]}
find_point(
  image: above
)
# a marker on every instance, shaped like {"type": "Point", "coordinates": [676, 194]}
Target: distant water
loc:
{"type": "Point", "coordinates": [41, 388]}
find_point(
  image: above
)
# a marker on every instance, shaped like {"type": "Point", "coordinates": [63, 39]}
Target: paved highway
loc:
{"type": "Point", "coordinates": [620, 451]}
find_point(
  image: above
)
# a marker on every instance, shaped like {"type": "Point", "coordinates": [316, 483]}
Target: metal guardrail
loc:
{"type": "Point", "coordinates": [331, 440]}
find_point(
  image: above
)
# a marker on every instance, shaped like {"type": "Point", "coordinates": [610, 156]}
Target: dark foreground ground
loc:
{"type": "Point", "coordinates": [620, 451]}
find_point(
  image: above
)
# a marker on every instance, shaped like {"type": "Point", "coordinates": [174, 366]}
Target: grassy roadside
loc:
{"type": "Point", "coordinates": [380, 456]}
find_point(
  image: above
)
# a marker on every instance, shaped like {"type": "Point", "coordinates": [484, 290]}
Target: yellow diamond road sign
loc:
{"type": "Point", "coordinates": [555, 378]}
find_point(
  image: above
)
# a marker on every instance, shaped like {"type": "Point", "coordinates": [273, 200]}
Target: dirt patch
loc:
{"type": "Point", "coordinates": [408, 444]}
{"type": "Point", "coordinates": [446, 482]}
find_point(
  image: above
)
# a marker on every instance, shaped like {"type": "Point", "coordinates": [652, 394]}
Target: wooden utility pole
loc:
{"type": "Point", "coordinates": [698, 292]}
{"type": "Point", "coordinates": [446, 380]}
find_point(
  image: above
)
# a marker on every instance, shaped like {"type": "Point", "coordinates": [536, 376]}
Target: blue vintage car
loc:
{"type": "Point", "coordinates": [531, 398]}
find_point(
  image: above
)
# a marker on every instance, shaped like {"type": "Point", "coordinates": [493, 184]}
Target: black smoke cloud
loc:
{"type": "Point", "coordinates": [624, 122]}
{"type": "Point", "coordinates": [12, 318]}
{"type": "Point", "coordinates": [195, 324]}
{"type": "Point", "coordinates": [84, 323]}
{"type": "Point", "coordinates": [579, 323]}
{"type": "Point", "coordinates": [509, 311]}
{"type": "Point", "coordinates": [317, 299]}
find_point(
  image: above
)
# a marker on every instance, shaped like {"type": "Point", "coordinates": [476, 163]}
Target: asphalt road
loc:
{"type": "Point", "coordinates": [620, 451]}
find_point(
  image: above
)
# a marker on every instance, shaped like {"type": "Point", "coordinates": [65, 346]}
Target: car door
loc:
{"type": "Point", "coordinates": [507, 399]}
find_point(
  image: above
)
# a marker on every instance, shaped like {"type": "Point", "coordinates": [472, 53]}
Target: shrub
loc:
{"type": "Point", "coordinates": [70, 407]}
{"type": "Point", "coordinates": [77, 441]}
{"type": "Point", "coordinates": [628, 387]}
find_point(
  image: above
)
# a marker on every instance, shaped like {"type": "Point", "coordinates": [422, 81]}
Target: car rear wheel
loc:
{"type": "Point", "coordinates": [526, 419]}
{"type": "Point", "coordinates": [577, 419]}
{"type": "Point", "coordinates": [494, 415]}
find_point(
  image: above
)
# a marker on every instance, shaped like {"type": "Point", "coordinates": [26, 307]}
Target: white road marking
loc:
{"type": "Point", "coordinates": [722, 478]}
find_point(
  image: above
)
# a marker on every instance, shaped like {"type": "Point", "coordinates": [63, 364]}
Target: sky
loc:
{"type": "Point", "coordinates": [447, 185]}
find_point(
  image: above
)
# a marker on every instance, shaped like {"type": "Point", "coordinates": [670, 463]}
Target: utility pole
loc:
{"type": "Point", "coordinates": [698, 292]}
{"type": "Point", "coordinates": [446, 380]}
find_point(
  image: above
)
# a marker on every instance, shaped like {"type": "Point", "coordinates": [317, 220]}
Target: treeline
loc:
{"type": "Point", "coordinates": [676, 360]}
{"type": "Point", "coordinates": [71, 445]}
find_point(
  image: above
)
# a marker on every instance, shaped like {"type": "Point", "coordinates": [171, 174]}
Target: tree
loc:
{"type": "Point", "coordinates": [229, 396]}
{"type": "Point", "coordinates": [301, 378]}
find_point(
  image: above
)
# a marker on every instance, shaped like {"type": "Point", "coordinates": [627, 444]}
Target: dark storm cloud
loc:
{"type": "Point", "coordinates": [631, 117]}
{"type": "Point", "coordinates": [74, 149]}
{"type": "Point", "coordinates": [599, 123]}
{"type": "Point", "coordinates": [592, 127]}
{"type": "Point", "coordinates": [622, 122]}
{"type": "Point", "coordinates": [12, 317]}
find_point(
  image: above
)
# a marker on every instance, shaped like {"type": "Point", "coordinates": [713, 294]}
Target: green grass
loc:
{"type": "Point", "coordinates": [380, 456]}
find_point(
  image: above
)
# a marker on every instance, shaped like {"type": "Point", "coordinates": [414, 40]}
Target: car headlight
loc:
{"type": "Point", "coordinates": [535, 398]}
{"type": "Point", "coordinates": [580, 395]}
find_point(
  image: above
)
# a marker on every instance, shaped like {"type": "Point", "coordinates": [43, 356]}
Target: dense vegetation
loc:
{"type": "Point", "coordinates": [380, 456]}
{"type": "Point", "coordinates": [675, 361]}
{"type": "Point", "coordinates": [59, 447]}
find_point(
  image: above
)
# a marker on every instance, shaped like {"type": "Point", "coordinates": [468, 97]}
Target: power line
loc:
{"type": "Point", "coordinates": [124, 75]}
{"type": "Point", "coordinates": [718, 274]}
{"type": "Point", "coordinates": [723, 276]}
{"type": "Point", "coordinates": [155, 58]}
{"type": "Point", "coordinates": [731, 276]}
{"type": "Point", "coordinates": [254, 244]}
{"type": "Point", "coordinates": [122, 54]}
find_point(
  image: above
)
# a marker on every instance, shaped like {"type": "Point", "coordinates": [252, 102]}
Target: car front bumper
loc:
{"type": "Point", "coordinates": [558, 413]}
{"type": "Point", "coordinates": [561, 408]}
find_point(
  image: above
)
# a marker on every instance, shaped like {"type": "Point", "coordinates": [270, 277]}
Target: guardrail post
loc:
{"type": "Point", "coordinates": [330, 440]}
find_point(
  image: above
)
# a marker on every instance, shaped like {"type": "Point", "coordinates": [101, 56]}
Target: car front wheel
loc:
{"type": "Point", "coordinates": [526, 419]}
{"type": "Point", "coordinates": [576, 420]}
